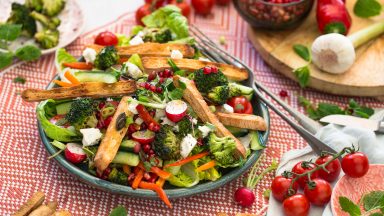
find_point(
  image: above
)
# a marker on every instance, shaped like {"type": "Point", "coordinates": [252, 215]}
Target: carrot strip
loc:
{"type": "Point", "coordinates": [78, 65]}
{"type": "Point", "coordinates": [122, 60]}
{"type": "Point", "coordinates": [160, 192]}
{"type": "Point", "coordinates": [63, 84]}
{"type": "Point", "coordinates": [160, 182]}
{"type": "Point", "coordinates": [127, 169]}
{"type": "Point", "coordinates": [71, 78]}
{"type": "Point", "coordinates": [161, 173]}
{"type": "Point", "coordinates": [206, 166]}
{"type": "Point", "coordinates": [187, 159]}
{"type": "Point", "coordinates": [137, 180]}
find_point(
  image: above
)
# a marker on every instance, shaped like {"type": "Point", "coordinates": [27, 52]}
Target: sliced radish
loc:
{"type": "Point", "coordinates": [144, 136]}
{"type": "Point", "coordinates": [74, 153]}
{"type": "Point", "coordinates": [176, 110]}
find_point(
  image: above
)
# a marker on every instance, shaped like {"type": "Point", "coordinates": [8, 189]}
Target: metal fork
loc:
{"type": "Point", "coordinates": [309, 126]}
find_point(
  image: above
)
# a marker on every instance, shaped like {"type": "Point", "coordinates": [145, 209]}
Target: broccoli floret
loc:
{"type": "Point", "coordinates": [205, 82]}
{"type": "Point", "coordinates": [185, 126]}
{"type": "Point", "coordinates": [20, 15]}
{"type": "Point", "coordinates": [36, 5]}
{"type": "Point", "coordinates": [50, 23]}
{"type": "Point", "coordinates": [106, 58]}
{"type": "Point", "coordinates": [224, 150]}
{"type": "Point", "coordinates": [52, 7]}
{"type": "Point", "coordinates": [157, 35]}
{"type": "Point", "coordinates": [237, 90]}
{"type": "Point", "coordinates": [166, 144]}
{"type": "Point", "coordinates": [118, 177]}
{"type": "Point", "coordinates": [218, 95]}
{"type": "Point", "coordinates": [81, 114]}
{"type": "Point", "coordinates": [47, 38]}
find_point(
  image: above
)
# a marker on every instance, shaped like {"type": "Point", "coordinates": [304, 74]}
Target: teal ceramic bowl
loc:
{"type": "Point", "coordinates": [228, 175]}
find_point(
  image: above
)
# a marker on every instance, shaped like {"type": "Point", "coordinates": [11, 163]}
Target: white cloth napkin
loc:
{"type": "Point", "coordinates": [338, 137]}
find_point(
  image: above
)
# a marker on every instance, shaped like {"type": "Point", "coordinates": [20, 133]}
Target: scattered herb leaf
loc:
{"type": "Point", "coordinates": [348, 206]}
{"type": "Point", "coordinates": [5, 59]}
{"type": "Point", "coordinates": [176, 94]}
{"type": "Point", "coordinates": [267, 193]}
{"type": "Point", "coordinates": [373, 200]}
{"type": "Point", "coordinates": [367, 8]}
{"type": "Point", "coordinates": [28, 53]}
{"type": "Point", "coordinates": [9, 32]}
{"type": "Point", "coordinates": [19, 79]}
{"type": "Point", "coordinates": [222, 40]}
{"type": "Point", "coordinates": [119, 211]}
{"type": "Point", "coordinates": [302, 74]}
{"type": "Point", "coordinates": [302, 51]}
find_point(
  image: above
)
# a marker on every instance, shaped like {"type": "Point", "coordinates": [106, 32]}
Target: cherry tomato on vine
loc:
{"type": "Point", "coordinates": [106, 38]}
{"type": "Point", "coordinates": [296, 205]}
{"type": "Point", "coordinates": [183, 5]}
{"type": "Point", "coordinates": [158, 3]}
{"type": "Point", "coordinates": [301, 168]}
{"type": "Point", "coordinates": [333, 167]}
{"type": "Point", "coordinates": [203, 7]}
{"type": "Point", "coordinates": [142, 12]}
{"type": "Point", "coordinates": [318, 192]}
{"type": "Point", "coordinates": [240, 104]}
{"type": "Point", "coordinates": [280, 186]}
{"type": "Point", "coordinates": [355, 164]}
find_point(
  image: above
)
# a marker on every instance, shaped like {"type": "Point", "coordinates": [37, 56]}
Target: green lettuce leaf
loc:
{"type": "Point", "coordinates": [136, 60]}
{"type": "Point", "coordinates": [123, 40]}
{"type": "Point", "coordinates": [186, 177]}
{"type": "Point", "coordinates": [46, 110]}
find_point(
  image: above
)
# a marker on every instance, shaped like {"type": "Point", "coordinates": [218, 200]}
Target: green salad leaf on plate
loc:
{"type": "Point", "coordinates": [185, 177]}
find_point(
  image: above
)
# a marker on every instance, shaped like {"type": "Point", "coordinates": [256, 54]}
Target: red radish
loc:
{"type": "Point", "coordinates": [244, 196]}
{"type": "Point", "coordinates": [176, 110]}
{"type": "Point", "coordinates": [144, 137]}
{"type": "Point", "coordinates": [74, 153]}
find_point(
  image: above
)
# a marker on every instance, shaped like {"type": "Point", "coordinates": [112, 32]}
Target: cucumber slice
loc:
{"type": "Point", "coordinates": [256, 141]}
{"type": "Point", "coordinates": [126, 158]}
{"type": "Point", "coordinates": [128, 145]}
{"type": "Point", "coordinates": [96, 76]}
{"type": "Point", "coordinates": [237, 132]}
{"type": "Point", "coordinates": [63, 108]}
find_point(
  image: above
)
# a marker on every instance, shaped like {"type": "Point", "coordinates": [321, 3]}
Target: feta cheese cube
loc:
{"type": "Point", "coordinates": [133, 71]}
{"type": "Point", "coordinates": [136, 40]}
{"type": "Point", "coordinates": [176, 54]}
{"type": "Point", "coordinates": [132, 107]}
{"type": "Point", "coordinates": [204, 130]}
{"type": "Point", "coordinates": [91, 136]}
{"type": "Point", "coordinates": [187, 144]}
{"type": "Point", "coordinates": [228, 109]}
{"type": "Point", "coordinates": [89, 55]}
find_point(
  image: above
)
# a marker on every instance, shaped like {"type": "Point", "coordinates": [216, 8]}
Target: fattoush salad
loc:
{"type": "Point", "coordinates": [148, 110]}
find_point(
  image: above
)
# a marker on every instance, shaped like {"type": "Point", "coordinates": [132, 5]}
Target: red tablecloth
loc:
{"type": "Point", "coordinates": [24, 167]}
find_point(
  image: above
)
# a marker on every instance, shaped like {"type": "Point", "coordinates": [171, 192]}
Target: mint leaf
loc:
{"type": "Point", "coordinates": [28, 53]}
{"type": "Point", "coordinates": [302, 51]}
{"type": "Point", "coordinates": [361, 111]}
{"type": "Point", "coordinates": [9, 32]}
{"type": "Point", "coordinates": [19, 79]}
{"type": "Point", "coordinates": [5, 59]}
{"type": "Point", "coordinates": [348, 206]}
{"type": "Point", "coordinates": [119, 211]}
{"type": "Point", "coordinates": [324, 109]}
{"type": "Point", "coordinates": [367, 8]}
{"type": "Point", "coordinates": [373, 200]}
{"type": "Point", "coordinates": [176, 94]}
{"type": "Point", "coordinates": [302, 74]}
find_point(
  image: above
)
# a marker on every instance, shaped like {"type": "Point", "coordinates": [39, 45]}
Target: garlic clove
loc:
{"type": "Point", "coordinates": [333, 53]}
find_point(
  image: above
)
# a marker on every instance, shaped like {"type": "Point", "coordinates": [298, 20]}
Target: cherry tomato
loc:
{"type": "Point", "coordinates": [303, 167]}
{"type": "Point", "coordinates": [355, 164]}
{"type": "Point", "coordinates": [183, 5]}
{"type": "Point", "coordinates": [296, 205]}
{"type": "Point", "coordinates": [240, 104]}
{"type": "Point", "coordinates": [142, 12]}
{"type": "Point", "coordinates": [158, 3]}
{"type": "Point", "coordinates": [334, 168]}
{"type": "Point", "coordinates": [223, 2]}
{"type": "Point", "coordinates": [106, 38]}
{"type": "Point", "coordinates": [280, 186]}
{"type": "Point", "coordinates": [203, 7]}
{"type": "Point", "coordinates": [319, 193]}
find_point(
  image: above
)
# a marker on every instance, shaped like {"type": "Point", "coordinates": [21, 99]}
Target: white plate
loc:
{"type": "Point", "coordinates": [72, 23]}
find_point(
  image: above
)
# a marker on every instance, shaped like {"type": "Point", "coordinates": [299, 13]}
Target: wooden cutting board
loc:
{"type": "Point", "coordinates": [365, 78]}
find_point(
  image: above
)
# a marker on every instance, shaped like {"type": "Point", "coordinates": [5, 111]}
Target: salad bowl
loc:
{"type": "Point", "coordinates": [228, 175]}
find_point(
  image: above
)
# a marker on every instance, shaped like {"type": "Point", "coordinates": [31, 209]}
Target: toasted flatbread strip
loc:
{"type": "Point", "coordinates": [112, 139]}
{"type": "Point", "coordinates": [161, 63]}
{"type": "Point", "coordinates": [42, 210]}
{"type": "Point", "coordinates": [32, 203]}
{"type": "Point", "coordinates": [62, 213]}
{"type": "Point", "coordinates": [252, 122]}
{"type": "Point", "coordinates": [151, 49]}
{"type": "Point", "coordinates": [88, 89]}
{"type": "Point", "coordinates": [198, 104]}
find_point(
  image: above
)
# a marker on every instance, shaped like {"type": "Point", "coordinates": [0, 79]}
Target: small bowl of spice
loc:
{"type": "Point", "coordinates": [274, 14]}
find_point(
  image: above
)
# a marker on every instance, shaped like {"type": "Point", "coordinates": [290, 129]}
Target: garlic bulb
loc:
{"type": "Point", "coordinates": [333, 53]}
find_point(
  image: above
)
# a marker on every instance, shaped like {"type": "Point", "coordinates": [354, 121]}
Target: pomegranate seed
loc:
{"type": "Point", "coordinates": [214, 69]}
{"type": "Point", "coordinates": [200, 141]}
{"type": "Point", "coordinates": [131, 176]}
{"type": "Point", "coordinates": [147, 85]}
{"type": "Point", "coordinates": [107, 121]}
{"type": "Point", "coordinates": [207, 70]}
{"type": "Point", "coordinates": [132, 128]}
{"type": "Point", "coordinates": [152, 113]}
{"type": "Point", "coordinates": [142, 84]}
{"type": "Point", "coordinates": [105, 174]}
{"type": "Point", "coordinates": [159, 90]}
{"type": "Point", "coordinates": [146, 176]}
{"type": "Point", "coordinates": [283, 93]}
{"type": "Point", "coordinates": [100, 124]}
{"type": "Point", "coordinates": [147, 148]}
{"type": "Point", "coordinates": [151, 152]}
{"type": "Point", "coordinates": [161, 74]}
{"type": "Point", "coordinates": [153, 178]}
{"type": "Point", "coordinates": [166, 73]}
{"type": "Point", "coordinates": [153, 127]}
{"type": "Point", "coordinates": [170, 74]}
{"type": "Point", "coordinates": [152, 88]}
{"type": "Point", "coordinates": [161, 80]}
{"type": "Point", "coordinates": [152, 76]}
{"type": "Point", "coordinates": [101, 105]}
{"type": "Point", "coordinates": [143, 126]}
